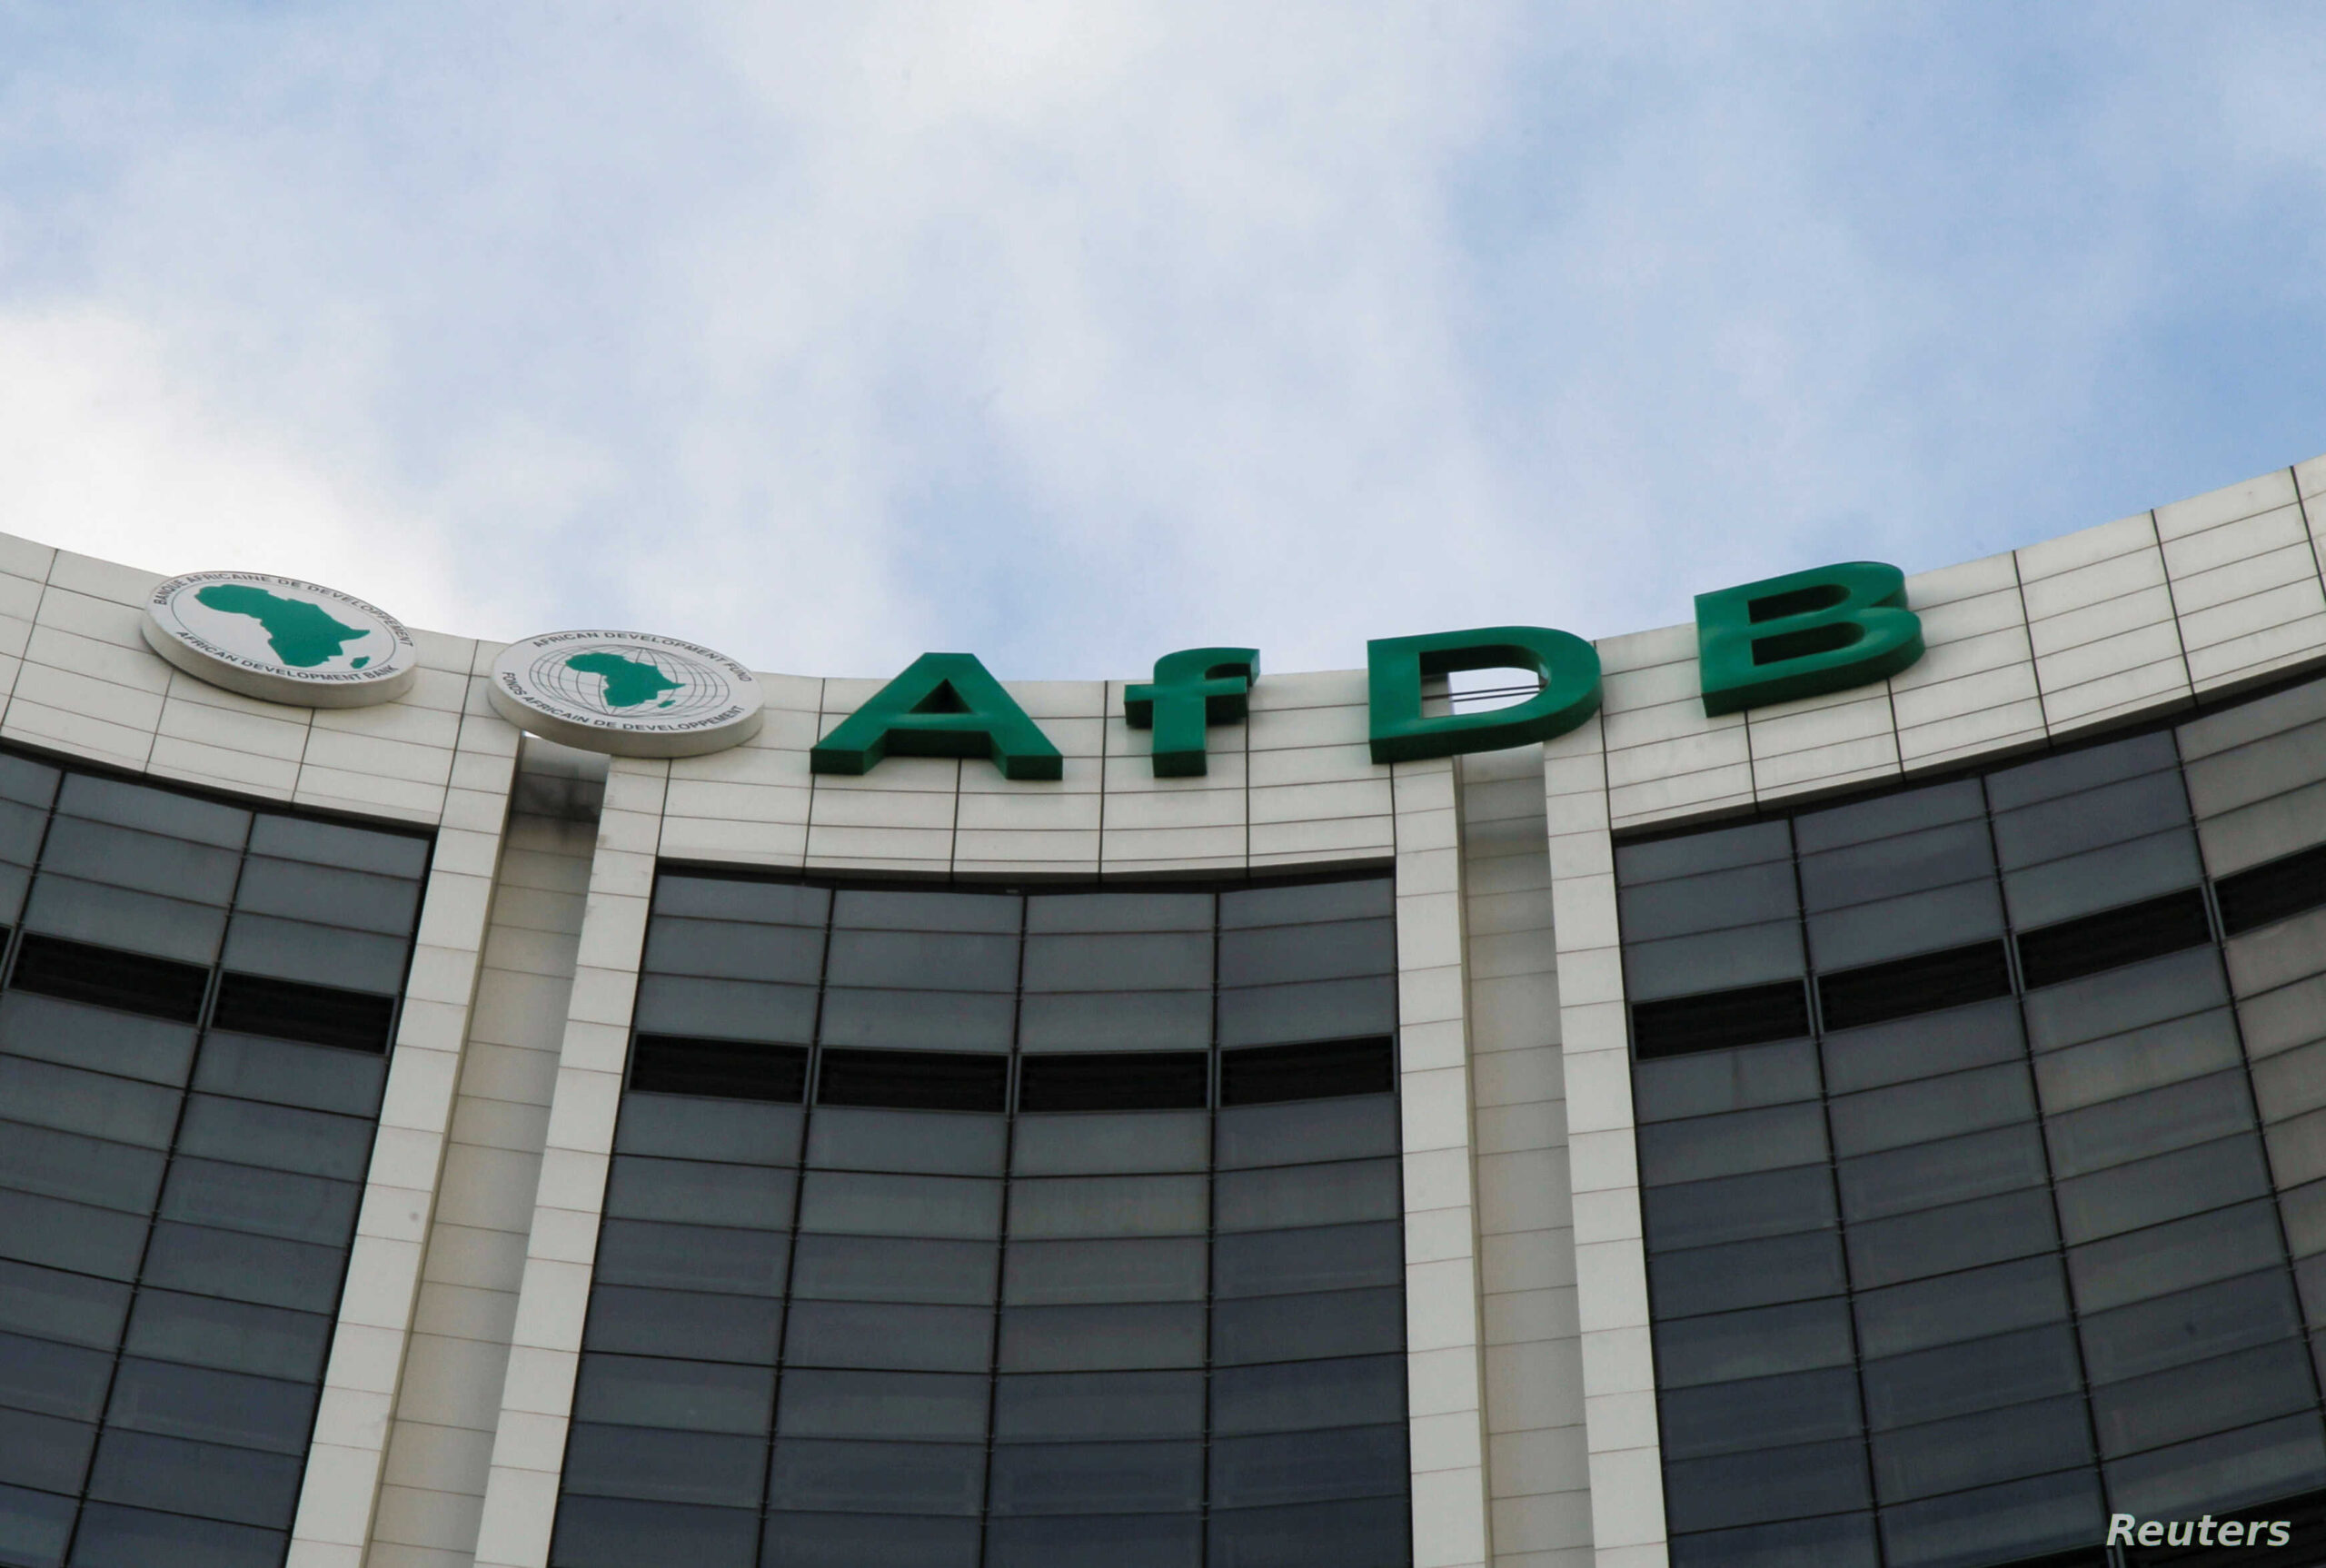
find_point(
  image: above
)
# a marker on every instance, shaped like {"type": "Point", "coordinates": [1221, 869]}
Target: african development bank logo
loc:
{"type": "Point", "coordinates": [626, 692]}
{"type": "Point", "coordinates": [281, 640]}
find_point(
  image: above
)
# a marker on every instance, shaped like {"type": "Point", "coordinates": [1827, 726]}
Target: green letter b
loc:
{"type": "Point", "coordinates": [1803, 635]}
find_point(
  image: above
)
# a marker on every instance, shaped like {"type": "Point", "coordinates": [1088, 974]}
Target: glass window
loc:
{"type": "Point", "coordinates": [2144, 1059]}
{"type": "Point", "coordinates": [733, 950]}
{"type": "Point", "coordinates": [2270, 1459]}
{"type": "Point", "coordinates": [1929, 857]}
{"type": "Point", "coordinates": [917, 1020]}
{"type": "Point", "coordinates": [1301, 903]}
{"type": "Point", "coordinates": [875, 1269]}
{"type": "Point", "coordinates": [51, 1379]}
{"type": "Point", "coordinates": [864, 1204]}
{"type": "Point", "coordinates": [1114, 1021]}
{"type": "Point", "coordinates": [325, 896]}
{"type": "Point", "coordinates": [935, 1143]}
{"type": "Point", "coordinates": [885, 910]}
{"type": "Point", "coordinates": [737, 898]}
{"type": "Point", "coordinates": [617, 1532]}
{"type": "Point", "coordinates": [262, 1201]}
{"type": "Point", "coordinates": [329, 844]}
{"type": "Point", "coordinates": [1959, 1306]}
{"type": "Point", "coordinates": [86, 1170]}
{"type": "Point", "coordinates": [42, 1451]}
{"type": "Point", "coordinates": [2209, 1175]}
{"type": "Point", "coordinates": [106, 800]}
{"type": "Point", "coordinates": [877, 1477]}
{"type": "Point", "coordinates": [1308, 1466]}
{"type": "Point", "coordinates": [69, 1100]}
{"type": "Point", "coordinates": [1888, 816]}
{"type": "Point", "coordinates": [703, 1328]}
{"type": "Point", "coordinates": [746, 1132]}
{"type": "Point", "coordinates": [1144, 962]}
{"type": "Point", "coordinates": [1324, 1010]}
{"type": "Point", "coordinates": [232, 1335]}
{"type": "Point", "coordinates": [1730, 1417]}
{"type": "Point", "coordinates": [1979, 1450]}
{"type": "Point", "coordinates": [1295, 1132]}
{"type": "Point", "coordinates": [1307, 1327]}
{"type": "Point", "coordinates": [1307, 1395]}
{"type": "Point", "coordinates": [1746, 1274]}
{"type": "Point", "coordinates": [1101, 1477]}
{"type": "Point", "coordinates": [922, 960]}
{"type": "Point", "coordinates": [2241, 1314]}
{"type": "Point", "coordinates": [1941, 1240]}
{"type": "Point", "coordinates": [685, 1395]}
{"type": "Point", "coordinates": [1141, 911]}
{"type": "Point", "coordinates": [1915, 923]}
{"type": "Point", "coordinates": [2019, 1519]}
{"type": "Point", "coordinates": [1926, 1176]}
{"type": "Point", "coordinates": [1742, 895]}
{"type": "Point", "coordinates": [152, 862]}
{"type": "Point", "coordinates": [2164, 1258]}
{"type": "Point", "coordinates": [700, 1192]}
{"type": "Point", "coordinates": [1931, 1108]}
{"type": "Point", "coordinates": [848, 1540]}
{"type": "Point", "coordinates": [898, 1337]}
{"type": "Point", "coordinates": [294, 950]}
{"type": "Point", "coordinates": [199, 1478]}
{"type": "Point", "coordinates": [1101, 1338]}
{"type": "Point", "coordinates": [1719, 961]}
{"type": "Point", "coordinates": [1106, 1142]}
{"type": "Point", "coordinates": [2130, 998]}
{"type": "Point", "coordinates": [921, 1404]}
{"type": "Point", "coordinates": [277, 1137]}
{"type": "Point", "coordinates": [1689, 854]}
{"type": "Point", "coordinates": [665, 1467]}
{"type": "Point", "coordinates": [1927, 1045]}
{"type": "Point", "coordinates": [1835, 1541]}
{"type": "Point", "coordinates": [1094, 1541]}
{"type": "Point", "coordinates": [318, 1077]}
{"type": "Point", "coordinates": [2213, 1395]}
{"type": "Point", "coordinates": [1286, 1197]}
{"type": "Point", "coordinates": [242, 1267]}
{"type": "Point", "coordinates": [98, 1038]}
{"type": "Point", "coordinates": [1284, 1262]}
{"type": "Point", "coordinates": [1073, 1272]}
{"type": "Point", "coordinates": [1738, 1208]}
{"type": "Point", "coordinates": [1058, 1407]}
{"type": "Point", "coordinates": [111, 1533]}
{"type": "Point", "coordinates": [724, 1010]}
{"type": "Point", "coordinates": [1765, 1484]}
{"type": "Point", "coordinates": [1971, 1375]}
{"type": "Point", "coordinates": [1708, 1082]}
{"type": "Point", "coordinates": [692, 1258]}
{"type": "Point", "coordinates": [47, 1304]}
{"type": "Point", "coordinates": [1711, 1146]}
{"type": "Point", "coordinates": [72, 1235]}
{"type": "Point", "coordinates": [211, 1407]}
{"type": "Point", "coordinates": [2155, 1122]}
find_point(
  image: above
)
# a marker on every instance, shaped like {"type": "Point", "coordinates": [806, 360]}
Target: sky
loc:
{"type": "Point", "coordinates": [1070, 334]}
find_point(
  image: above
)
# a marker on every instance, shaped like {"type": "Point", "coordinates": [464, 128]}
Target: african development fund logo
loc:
{"type": "Point", "coordinates": [281, 640]}
{"type": "Point", "coordinates": [626, 692]}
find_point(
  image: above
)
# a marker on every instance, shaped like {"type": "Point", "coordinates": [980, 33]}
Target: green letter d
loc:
{"type": "Point", "coordinates": [1803, 634]}
{"type": "Point", "coordinates": [1396, 665]}
{"type": "Point", "coordinates": [943, 705]}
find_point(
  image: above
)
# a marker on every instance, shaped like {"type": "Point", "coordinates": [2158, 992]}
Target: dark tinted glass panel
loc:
{"type": "Point", "coordinates": [134, 982]}
{"type": "Point", "coordinates": [1743, 1017]}
{"type": "Point", "coordinates": [670, 1065]}
{"type": "Point", "coordinates": [2273, 890]}
{"type": "Point", "coordinates": [1730, 1417]}
{"type": "Point", "coordinates": [1924, 984]}
{"type": "Point", "coordinates": [1124, 1080]}
{"type": "Point", "coordinates": [913, 1080]}
{"type": "Point", "coordinates": [2114, 938]}
{"type": "Point", "coordinates": [289, 1010]}
{"type": "Point", "coordinates": [1027, 1226]}
{"type": "Point", "coordinates": [1322, 1071]}
{"type": "Point", "coordinates": [1709, 1082]}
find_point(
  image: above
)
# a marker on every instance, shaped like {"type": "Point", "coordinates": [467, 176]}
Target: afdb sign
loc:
{"type": "Point", "coordinates": [281, 640]}
{"type": "Point", "coordinates": [638, 695]}
{"type": "Point", "coordinates": [626, 692]}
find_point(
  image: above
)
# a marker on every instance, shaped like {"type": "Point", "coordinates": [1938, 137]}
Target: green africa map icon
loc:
{"type": "Point", "coordinates": [281, 640]}
{"type": "Point", "coordinates": [303, 634]}
{"type": "Point", "coordinates": [630, 682]}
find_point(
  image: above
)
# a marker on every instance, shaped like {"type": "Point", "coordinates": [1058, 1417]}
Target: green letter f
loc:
{"type": "Point", "coordinates": [1193, 688]}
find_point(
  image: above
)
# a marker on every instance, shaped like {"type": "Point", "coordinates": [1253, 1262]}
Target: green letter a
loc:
{"type": "Point", "coordinates": [943, 705]}
{"type": "Point", "coordinates": [1396, 665]}
{"type": "Point", "coordinates": [1803, 634]}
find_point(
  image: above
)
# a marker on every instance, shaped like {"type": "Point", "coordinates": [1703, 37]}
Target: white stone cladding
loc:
{"type": "Point", "coordinates": [1534, 1428]}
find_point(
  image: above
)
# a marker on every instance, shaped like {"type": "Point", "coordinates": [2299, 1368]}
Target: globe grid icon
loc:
{"type": "Point", "coordinates": [702, 690]}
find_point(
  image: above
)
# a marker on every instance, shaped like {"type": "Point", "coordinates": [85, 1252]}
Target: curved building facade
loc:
{"type": "Point", "coordinates": [1874, 1119]}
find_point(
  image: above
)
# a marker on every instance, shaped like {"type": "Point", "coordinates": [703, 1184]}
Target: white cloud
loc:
{"type": "Point", "coordinates": [1076, 333]}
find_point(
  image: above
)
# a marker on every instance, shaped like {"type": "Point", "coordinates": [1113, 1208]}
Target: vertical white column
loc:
{"type": "Point", "coordinates": [1446, 1378]}
{"type": "Point", "coordinates": [1603, 1162]}
{"type": "Point", "coordinates": [341, 1486]}
{"type": "Point", "coordinates": [545, 1350]}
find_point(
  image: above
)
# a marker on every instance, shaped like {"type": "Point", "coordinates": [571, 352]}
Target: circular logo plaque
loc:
{"type": "Point", "coordinates": [281, 640]}
{"type": "Point", "coordinates": [626, 692]}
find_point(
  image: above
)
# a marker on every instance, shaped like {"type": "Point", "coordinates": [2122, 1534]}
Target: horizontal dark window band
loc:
{"type": "Point", "coordinates": [722, 1069]}
{"type": "Point", "coordinates": [1720, 1020]}
{"type": "Point", "coordinates": [1327, 1069]}
{"type": "Point", "coordinates": [109, 977]}
{"type": "Point", "coordinates": [1115, 1081]}
{"type": "Point", "coordinates": [2264, 894]}
{"type": "Point", "coordinates": [2090, 944]}
{"type": "Point", "coordinates": [913, 1080]}
{"type": "Point", "coordinates": [1925, 983]}
{"type": "Point", "coordinates": [294, 1010]}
